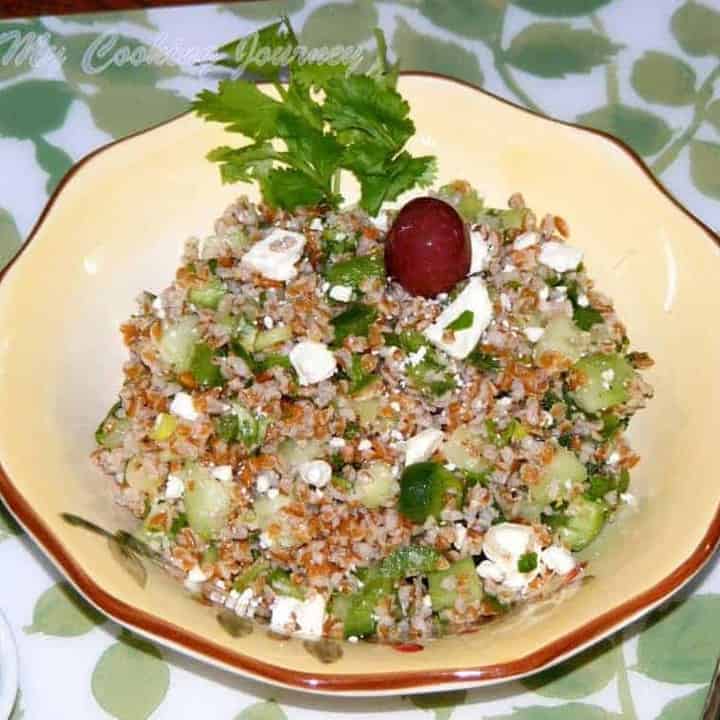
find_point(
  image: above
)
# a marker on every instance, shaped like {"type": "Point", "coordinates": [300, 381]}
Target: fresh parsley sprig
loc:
{"type": "Point", "coordinates": [324, 120]}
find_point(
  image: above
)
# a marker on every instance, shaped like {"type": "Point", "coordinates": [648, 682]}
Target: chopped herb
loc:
{"type": "Point", "coordinates": [612, 425]}
{"type": "Point", "coordinates": [359, 379]}
{"type": "Point", "coordinates": [338, 242]}
{"type": "Point", "coordinates": [583, 317]}
{"type": "Point", "coordinates": [337, 462]}
{"type": "Point", "coordinates": [355, 321]}
{"type": "Point", "coordinates": [565, 440]}
{"type": "Point", "coordinates": [462, 322]}
{"type": "Point", "coordinates": [352, 429]}
{"type": "Point", "coordinates": [599, 486]}
{"type": "Point", "coordinates": [527, 562]}
{"type": "Point", "coordinates": [212, 265]}
{"type": "Point", "coordinates": [227, 427]}
{"type": "Point", "coordinates": [202, 367]}
{"type": "Point", "coordinates": [550, 399]}
{"type": "Point", "coordinates": [353, 271]}
{"type": "Point", "coordinates": [624, 481]}
{"type": "Point", "coordinates": [179, 522]}
{"type": "Point", "coordinates": [271, 361]}
{"type": "Point", "coordinates": [483, 361]}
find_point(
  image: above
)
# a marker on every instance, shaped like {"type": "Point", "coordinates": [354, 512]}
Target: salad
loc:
{"type": "Point", "coordinates": [351, 421]}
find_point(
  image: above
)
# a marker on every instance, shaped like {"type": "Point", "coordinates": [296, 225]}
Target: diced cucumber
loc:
{"type": "Point", "coordinates": [376, 485]}
{"type": "Point", "coordinates": [207, 501]}
{"type": "Point", "coordinates": [177, 343]}
{"type": "Point", "coordinates": [248, 576]}
{"type": "Point", "coordinates": [563, 336]}
{"type": "Point", "coordinates": [360, 616]}
{"type": "Point", "coordinates": [294, 453]}
{"type": "Point", "coordinates": [366, 409]}
{"type": "Point", "coordinates": [267, 508]}
{"type": "Point", "coordinates": [465, 581]}
{"type": "Point", "coordinates": [111, 432]}
{"type": "Point", "coordinates": [282, 584]}
{"type": "Point", "coordinates": [202, 367]}
{"type": "Point", "coordinates": [607, 379]}
{"type": "Point", "coordinates": [406, 561]}
{"type": "Point", "coordinates": [245, 335]}
{"type": "Point", "coordinates": [227, 427]}
{"type": "Point", "coordinates": [423, 489]}
{"type": "Point", "coordinates": [164, 427]}
{"type": "Point", "coordinates": [584, 519]}
{"type": "Point", "coordinates": [139, 476]}
{"type": "Point", "coordinates": [464, 448]}
{"type": "Point", "coordinates": [558, 478]}
{"type": "Point", "coordinates": [251, 429]}
{"type": "Point", "coordinates": [268, 338]}
{"type": "Point", "coordinates": [208, 296]}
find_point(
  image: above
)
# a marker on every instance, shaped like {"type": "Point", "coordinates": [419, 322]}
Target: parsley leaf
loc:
{"type": "Point", "coordinates": [584, 317]}
{"type": "Point", "coordinates": [356, 320]}
{"type": "Point", "coordinates": [483, 361]}
{"type": "Point", "coordinates": [462, 322]}
{"type": "Point", "coordinates": [359, 379]}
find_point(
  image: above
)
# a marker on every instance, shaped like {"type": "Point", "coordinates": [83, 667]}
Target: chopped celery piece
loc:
{"type": "Point", "coordinates": [111, 432]}
{"type": "Point", "coordinates": [459, 580]}
{"type": "Point", "coordinates": [375, 485]}
{"type": "Point", "coordinates": [353, 271]}
{"type": "Point", "coordinates": [564, 337]}
{"type": "Point", "coordinates": [464, 448]}
{"type": "Point", "coordinates": [202, 367]}
{"type": "Point", "coordinates": [423, 487]}
{"type": "Point", "coordinates": [248, 576]}
{"type": "Point", "coordinates": [268, 338]}
{"type": "Point", "coordinates": [606, 378]}
{"type": "Point", "coordinates": [207, 501]}
{"type": "Point", "coordinates": [355, 321]}
{"type": "Point", "coordinates": [164, 427]}
{"type": "Point", "coordinates": [558, 478]}
{"type": "Point", "coordinates": [282, 584]}
{"type": "Point", "coordinates": [178, 342]}
{"type": "Point", "coordinates": [139, 476]}
{"type": "Point", "coordinates": [208, 296]}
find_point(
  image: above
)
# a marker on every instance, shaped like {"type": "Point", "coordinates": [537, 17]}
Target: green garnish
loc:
{"type": "Point", "coordinates": [359, 379]}
{"type": "Point", "coordinates": [202, 367]}
{"type": "Point", "coordinates": [583, 317]}
{"type": "Point", "coordinates": [353, 271]}
{"type": "Point", "coordinates": [227, 427]}
{"type": "Point", "coordinates": [208, 296]}
{"type": "Point", "coordinates": [355, 321]}
{"type": "Point", "coordinates": [423, 487]}
{"type": "Point", "coordinates": [462, 322]}
{"type": "Point", "coordinates": [358, 123]}
{"type": "Point", "coordinates": [483, 361]}
{"type": "Point", "coordinates": [527, 562]}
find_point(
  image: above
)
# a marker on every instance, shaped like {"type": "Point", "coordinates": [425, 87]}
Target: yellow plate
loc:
{"type": "Point", "coordinates": [116, 227]}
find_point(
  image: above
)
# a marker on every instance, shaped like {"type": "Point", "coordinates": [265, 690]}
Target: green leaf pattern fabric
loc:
{"type": "Point", "coordinates": [586, 61]}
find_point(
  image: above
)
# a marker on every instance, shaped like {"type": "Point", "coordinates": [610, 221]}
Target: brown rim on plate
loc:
{"type": "Point", "coordinates": [361, 682]}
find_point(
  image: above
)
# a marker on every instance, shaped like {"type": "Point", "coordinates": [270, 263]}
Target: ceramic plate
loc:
{"type": "Point", "coordinates": [116, 227]}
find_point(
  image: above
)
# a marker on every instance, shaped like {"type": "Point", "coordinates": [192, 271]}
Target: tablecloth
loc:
{"type": "Point", "coordinates": [648, 72]}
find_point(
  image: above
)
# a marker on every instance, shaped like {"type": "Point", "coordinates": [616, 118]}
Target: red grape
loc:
{"type": "Point", "coordinates": [428, 250]}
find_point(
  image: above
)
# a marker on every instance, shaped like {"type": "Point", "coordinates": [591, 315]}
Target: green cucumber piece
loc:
{"type": "Point", "coordinates": [422, 490]}
{"type": "Point", "coordinates": [599, 393]}
{"type": "Point", "coordinates": [139, 477]}
{"type": "Point", "coordinates": [464, 448]}
{"type": "Point", "coordinates": [207, 502]}
{"type": "Point", "coordinates": [282, 584]}
{"type": "Point", "coordinates": [208, 296]}
{"type": "Point", "coordinates": [248, 576]}
{"type": "Point", "coordinates": [275, 336]}
{"type": "Point", "coordinates": [558, 478]}
{"type": "Point", "coordinates": [583, 521]}
{"type": "Point", "coordinates": [203, 369]}
{"type": "Point", "coordinates": [564, 337]}
{"type": "Point", "coordinates": [293, 453]}
{"type": "Point", "coordinates": [376, 485]}
{"type": "Point", "coordinates": [164, 427]}
{"type": "Point", "coordinates": [467, 585]}
{"type": "Point", "coordinates": [178, 342]}
{"type": "Point", "coordinates": [111, 431]}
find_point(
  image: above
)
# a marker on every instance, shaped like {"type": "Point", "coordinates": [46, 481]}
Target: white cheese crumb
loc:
{"type": "Point", "coordinates": [488, 570]}
{"type": "Point", "coordinates": [272, 493]}
{"type": "Point", "coordinates": [364, 444]}
{"type": "Point", "coordinates": [427, 601]}
{"type": "Point", "coordinates": [582, 300]}
{"type": "Point", "coordinates": [533, 334]}
{"type": "Point", "coordinates": [313, 362]}
{"type": "Point", "coordinates": [243, 605]}
{"type": "Point", "coordinates": [175, 487]}
{"type": "Point", "coordinates": [504, 544]}
{"type": "Point", "coordinates": [559, 256]}
{"type": "Point", "coordinates": [274, 257]}
{"type": "Point", "coordinates": [526, 240]}
{"type": "Point", "coordinates": [262, 482]}
{"type": "Point", "coordinates": [544, 293]}
{"type": "Point", "coordinates": [415, 358]}
{"type": "Point", "coordinates": [337, 442]}
{"type": "Point", "coordinates": [196, 575]}
{"type": "Point", "coordinates": [157, 306]}
{"type": "Point", "coordinates": [473, 298]}
{"type": "Point", "coordinates": [395, 406]}
{"type": "Point", "coordinates": [558, 559]}
{"type": "Point", "coordinates": [223, 473]}
{"type": "Point", "coordinates": [268, 322]}
{"type": "Point", "coordinates": [480, 252]}
{"type": "Point", "coordinates": [315, 472]}
{"type": "Point", "coordinates": [607, 377]}
{"type": "Point", "coordinates": [182, 405]}
{"type": "Point", "coordinates": [265, 541]}
{"type": "Point", "coordinates": [341, 293]}
{"type": "Point", "coordinates": [460, 535]}
{"type": "Point", "coordinates": [420, 447]}
{"type": "Point", "coordinates": [316, 224]}
{"type": "Point", "coordinates": [505, 302]}
{"type": "Point", "coordinates": [302, 617]}
{"type": "Point", "coordinates": [613, 458]}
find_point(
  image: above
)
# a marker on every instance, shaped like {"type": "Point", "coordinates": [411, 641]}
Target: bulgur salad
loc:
{"type": "Point", "coordinates": [389, 427]}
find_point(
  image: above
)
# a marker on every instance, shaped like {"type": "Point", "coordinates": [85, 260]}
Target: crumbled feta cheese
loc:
{"type": "Point", "coordinates": [353, 639]}
{"type": "Point", "coordinates": [196, 575]}
{"type": "Point", "coordinates": [504, 402]}
{"type": "Point", "coordinates": [174, 488]}
{"type": "Point", "coordinates": [313, 362]}
{"type": "Point", "coordinates": [265, 541]}
{"type": "Point", "coordinates": [243, 605]}
{"type": "Point", "coordinates": [544, 293]}
{"type": "Point", "coordinates": [302, 617]}
{"type": "Point", "coordinates": [341, 293]}
{"type": "Point", "coordinates": [274, 257]}
{"type": "Point", "coordinates": [613, 458]}
{"type": "Point", "coordinates": [316, 224]}
{"type": "Point", "coordinates": [262, 482]}
{"type": "Point", "coordinates": [223, 473]}
{"type": "Point", "coordinates": [427, 601]}
{"type": "Point", "coordinates": [315, 472]}
{"type": "Point", "coordinates": [526, 240]}
{"type": "Point", "coordinates": [559, 256]}
{"type": "Point", "coordinates": [182, 405]}
{"type": "Point", "coordinates": [582, 300]}
{"type": "Point", "coordinates": [325, 286]}
{"type": "Point", "coordinates": [272, 493]}
{"type": "Point", "coordinates": [364, 445]}
{"type": "Point", "coordinates": [268, 322]}
{"type": "Point", "coordinates": [558, 559]}
{"type": "Point", "coordinates": [451, 467]}
{"type": "Point", "coordinates": [157, 306]}
{"type": "Point", "coordinates": [415, 358]}
{"type": "Point", "coordinates": [460, 535]}
{"type": "Point", "coordinates": [505, 302]}
{"type": "Point", "coordinates": [504, 544]}
{"type": "Point", "coordinates": [508, 267]}
{"type": "Point", "coordinates": [396, 434]}
{"type": "Point", "coordinates": [473, 298]}
{"type": "Point", "coordinates": [380, 221]}
{"type": "Point", "coordinates": [395, 406]}
{"type": "Point", "coordinates": [422, 446]}
{"type": "Point", "coordinates": [480, 252]}
{"type": "Point", "coordinates": [533, 334]}
{"type": "Point", "coordinates": [488, 570]}
{"type": "Point", "coordinates": [337, 442]}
